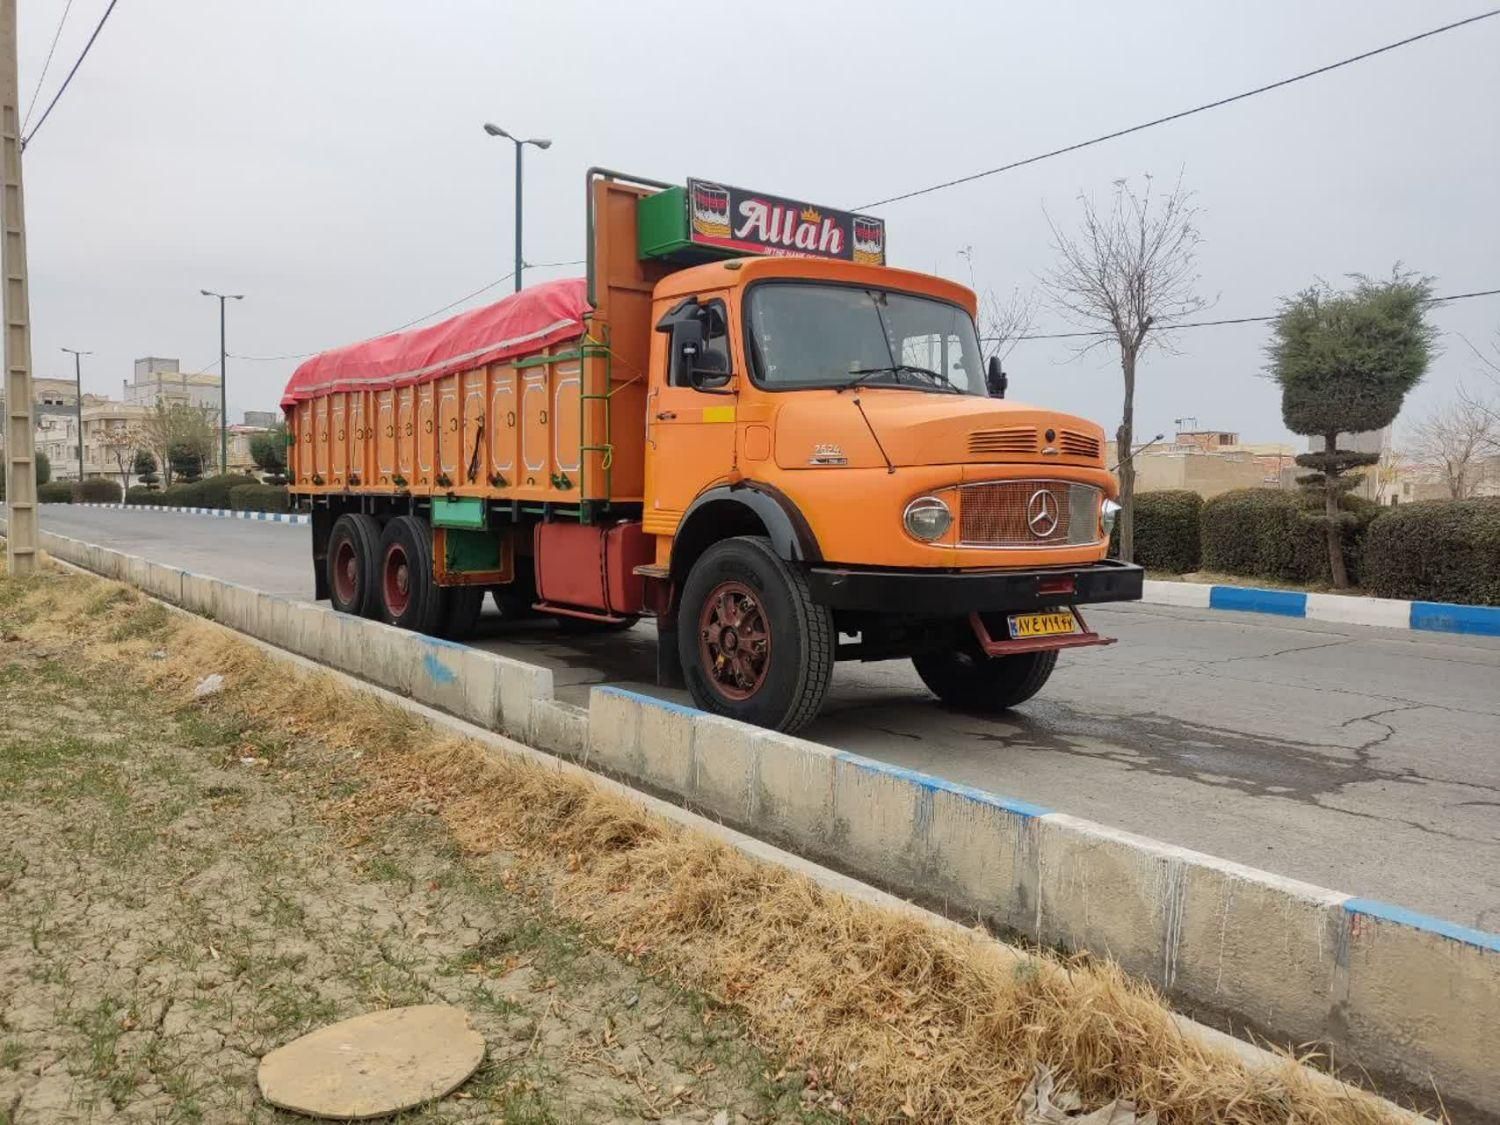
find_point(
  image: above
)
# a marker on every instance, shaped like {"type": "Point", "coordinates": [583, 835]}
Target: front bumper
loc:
{"type": "Point", "coordinates": [956, 593]}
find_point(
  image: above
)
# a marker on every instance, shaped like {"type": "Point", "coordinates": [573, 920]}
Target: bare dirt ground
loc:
{"type": "Point", "coordinates": [179, 895]}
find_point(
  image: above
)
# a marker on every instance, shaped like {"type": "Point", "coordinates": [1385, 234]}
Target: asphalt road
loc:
{"type": "Point", "coordinates": [1366, 760]}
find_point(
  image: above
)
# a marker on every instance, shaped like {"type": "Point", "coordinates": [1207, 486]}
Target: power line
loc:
{"type": "Point", "coordinates": [425, 316]}
{"type": "Point", "coordinates": [1181, 114]}
{"type": "Point", "coordinates": [1227, 320]}
{"type": "Point", "coordinates": [56, 35]}
{"type": "Point", "coordinates": [26, 140]}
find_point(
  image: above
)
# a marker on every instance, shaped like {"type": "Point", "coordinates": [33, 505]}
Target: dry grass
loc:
{"type": "Point", "coordinates": [901, 1020]}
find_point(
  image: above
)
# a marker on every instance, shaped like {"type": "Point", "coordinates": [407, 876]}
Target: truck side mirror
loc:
{"type": "Point", "coordinates": [710, 371]}
{"type": "Point", "coordinates": [996, 379]}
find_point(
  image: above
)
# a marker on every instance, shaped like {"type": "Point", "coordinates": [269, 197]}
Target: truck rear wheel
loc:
{"type": "Point", "coordinates": [462, 618]}
{"type": "Point", "coordinates": [753, 644]}
{"type": "Point", "coordinates": [409, 596]}
{"type": "Point", "coordinates": [352, 564]}
{"type": "Point", "coordinates": [964, 677]}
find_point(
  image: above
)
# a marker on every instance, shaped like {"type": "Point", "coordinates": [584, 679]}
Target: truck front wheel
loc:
{"type": "Point", "coordinates": [964, 677]}
{"type": "Point", "coordinates": [753, 644]}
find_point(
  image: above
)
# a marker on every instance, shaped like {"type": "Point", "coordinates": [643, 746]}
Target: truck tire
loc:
{"type": "Point", "coordinates": [753, 644]}
{"type": "Point", "coordinates": [352, 564]}
{"type": "Point", "coordinates": [409, 597]}
{"type": "Point", "coordinates": [464, 603]}
{"type": "Point", "coordinates": [965, 678]}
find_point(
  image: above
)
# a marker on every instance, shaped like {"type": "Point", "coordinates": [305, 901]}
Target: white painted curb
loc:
{"type": "Point", "coordinates": [216, 513]}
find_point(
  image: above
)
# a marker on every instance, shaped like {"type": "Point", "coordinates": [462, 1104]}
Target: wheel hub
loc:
{"type": "Point", "coordinates": [734, 640]}
{"type": "Point", "coordinates": [396, 580]}
{"type": "Point", "coordinates": [346, 571]}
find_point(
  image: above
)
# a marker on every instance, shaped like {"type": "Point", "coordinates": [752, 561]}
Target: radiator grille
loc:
{"type": "Point", "coordinates": [1027, 513]}
{"type": "Point", "coordinates": [1012, 439]}
{"type": "Point", "coordinates": [1071, 443]}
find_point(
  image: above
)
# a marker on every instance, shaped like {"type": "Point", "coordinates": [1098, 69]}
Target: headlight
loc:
{"type": "Point", "coordinates": [1107, 512]}
{"type": "Point", "coordinates": [927, 518]}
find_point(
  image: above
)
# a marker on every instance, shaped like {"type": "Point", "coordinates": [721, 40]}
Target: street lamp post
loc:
{"type": "Point", "coordinates": [223, 379]}
{"type": "Point", "coordinates": [78, 382]}
{"type": "Point", "coordinates": [540, 142]}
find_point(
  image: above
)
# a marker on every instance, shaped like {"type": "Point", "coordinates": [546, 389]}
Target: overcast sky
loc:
{"type": "Point", "coordinates": [326, 158]}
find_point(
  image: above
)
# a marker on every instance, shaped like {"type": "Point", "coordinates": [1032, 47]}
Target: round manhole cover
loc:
{"type": "Point", "coordinates": [373, 1065]}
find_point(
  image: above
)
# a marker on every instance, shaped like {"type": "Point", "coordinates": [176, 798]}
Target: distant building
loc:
{"type": "Point", "coordinates": [265, 419]}
{"type": "Point", "coordinates": [54, 392]}
{"type": "Point", "coordinates": [1208, 462]}
{"type": "Point", "coordinates": [159, 381]}
{"type": "Point", "coordinates": [111, 436]}
{"type": "Point", "coordinates": [240, 437]}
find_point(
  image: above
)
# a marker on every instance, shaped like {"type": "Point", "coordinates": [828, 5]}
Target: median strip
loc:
{"type": "Point", "coordinates": [1289, 962]}
{"type": "Point", "coordinates": [888, 1016]}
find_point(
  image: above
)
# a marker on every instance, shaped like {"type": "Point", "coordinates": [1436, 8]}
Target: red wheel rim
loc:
{"type": "Point", "coordinates": [345, 571]}
{"type": "Point", "coordinates": [396, 580]}
{"type": "Point", "coordinates": [734, 640]}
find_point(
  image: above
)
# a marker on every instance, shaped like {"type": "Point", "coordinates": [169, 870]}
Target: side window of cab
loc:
{"type": "Point", "coordinates": [711, 358]}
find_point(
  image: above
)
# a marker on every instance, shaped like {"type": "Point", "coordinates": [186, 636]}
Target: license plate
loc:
{"type": "Point", "coordinates": [1042, 624]}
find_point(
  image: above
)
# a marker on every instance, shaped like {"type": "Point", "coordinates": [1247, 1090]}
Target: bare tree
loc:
{"type": "Point", "coordinates": [179, 424]}
{"type": "Point", "coordinates": [1491, 408]}
{"type": "Point", "coordinates": [1002, 323]}
{"type": "Point", "coordinates": [1129, 274]}
{"type": "Point", "coordinates": [1453, 442]}
{"type": "Point", "coordinates": [119, 443]}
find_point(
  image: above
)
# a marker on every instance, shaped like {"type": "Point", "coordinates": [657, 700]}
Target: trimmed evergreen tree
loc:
{"type": "Point", "coordinates": [1345, 362]}
{"type": "Point", "coordinates": [144, 468]}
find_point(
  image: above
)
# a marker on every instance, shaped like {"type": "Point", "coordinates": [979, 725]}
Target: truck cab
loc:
{"type": "Point", "coordinates": [830, 474]}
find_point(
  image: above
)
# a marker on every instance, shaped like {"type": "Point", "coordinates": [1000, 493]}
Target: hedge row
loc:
{"type": "Point", "coordinates": [1439, 551]}
{"type": "Point", "coordinates": [1166, 531]}
{"type": "Point", "coordinates": [97, 490]}
{"type": "Point", "coordinates": [1263, 533]}
{"type": "Point", "coordinates": [1446, 551]}
{"type": "Point", "coordinates": [210, 492]}
{"type": "Point", "coordinates": [258, 498]}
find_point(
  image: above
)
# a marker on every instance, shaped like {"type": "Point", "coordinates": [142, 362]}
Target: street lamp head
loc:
{"type": "Point", "coordinates": [206, 293]}
{"type": "Point", "coordinates": [540, 142]}
{"type": "Point", "coordinates": [495, 130]}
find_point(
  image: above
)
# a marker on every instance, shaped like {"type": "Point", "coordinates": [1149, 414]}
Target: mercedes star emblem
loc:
{"type": "Point", "coordinates": [1041, 513]}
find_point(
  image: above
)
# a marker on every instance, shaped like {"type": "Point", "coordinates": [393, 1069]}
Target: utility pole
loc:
{"type": "Point", "coordinates": [223, 379]}
{"type": "Point", "coordinates": [20, 436]}
{"type": "Point", "coordinates": [78, 381]}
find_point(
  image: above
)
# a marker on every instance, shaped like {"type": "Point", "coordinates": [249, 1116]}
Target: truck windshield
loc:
{"type": "Point", "coordinates": [816, 335]}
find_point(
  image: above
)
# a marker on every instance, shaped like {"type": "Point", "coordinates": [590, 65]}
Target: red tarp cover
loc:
{"type": "Point", "coordinates": [525, 322]}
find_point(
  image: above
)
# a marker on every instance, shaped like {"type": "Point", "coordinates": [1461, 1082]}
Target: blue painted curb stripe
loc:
{"type": "Point", "coordinates": [942, 785]}
{"type": "Point", "coordinates": [912, 777]}
{"type": "Point", "coordinates": [1286, 603]}
{"type": "Point", "coordinates": [651, 701]}
{"type": "Point", "coordinates": [1443, 618]}
{"type": "Point", "coordinates": [1373, 908]}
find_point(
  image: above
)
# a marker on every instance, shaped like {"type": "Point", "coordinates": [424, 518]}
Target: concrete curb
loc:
{"type": "Point", "coordinates": [217, 513]}
{"type": "Point", "coordinates": [1387, 613]}
{"type": "Point", "coordinates": [1408, 998]}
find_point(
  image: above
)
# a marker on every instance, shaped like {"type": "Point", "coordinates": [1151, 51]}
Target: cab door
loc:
{"type": "Point", "coordinates": [690, 431]}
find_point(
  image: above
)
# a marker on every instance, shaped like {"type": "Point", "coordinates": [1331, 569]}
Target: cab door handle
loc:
{"type": "Point", "coordinates": [666, 415]}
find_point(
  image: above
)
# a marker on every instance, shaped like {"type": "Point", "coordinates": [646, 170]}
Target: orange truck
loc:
{"type": "Point", "coordinates": [742, 424]}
